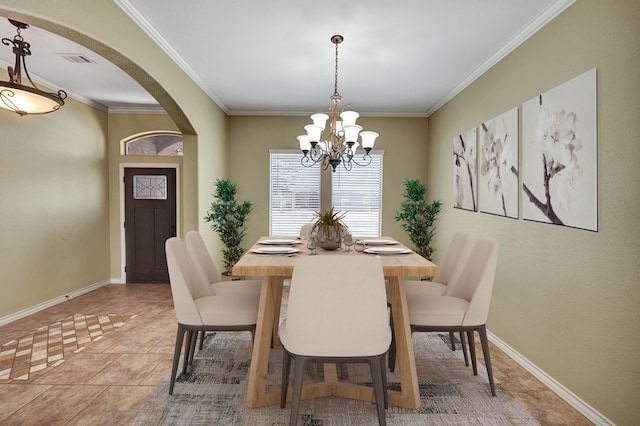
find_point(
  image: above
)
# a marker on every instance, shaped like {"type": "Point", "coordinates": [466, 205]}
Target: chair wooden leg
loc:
{"type": "Point", "coordinates": [298, 375]}
{"type": "Point", "coordinates": [187, 351]}
{"type": "Point", "coordinates": [176, 356]}
{"type": "Point", "coordinates": [384, 382]}
{"type": "Point", "coordinates": [192, 340]}
{"type": "Point", "coordinates": [464, 349]}
{"type": "Point", "coordinates": [472, 351]}
{"type": "Point", "coordinates": [284, 384]}
{"type": "Point", "coordinates": [193, 346]}
{"type": "Point", "coordinates": [377, 372]}
{"type": "Point", "coordinates": [201, 340]}
{"type": "Point", "coordinates": [484, 341]}
{"type": "Point", "coordinates": [452, 340]}
{"type": "Point", "coordinates": [392, 348]}
{"type": "Point", "coordinates": [463, 341]}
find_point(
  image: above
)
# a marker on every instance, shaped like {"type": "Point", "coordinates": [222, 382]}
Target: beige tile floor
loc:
{"type": "Point", "coordinates": [108, 350]}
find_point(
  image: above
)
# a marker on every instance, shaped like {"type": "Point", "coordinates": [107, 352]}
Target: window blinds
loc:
{"type": "Point", "coordinates": [295, 193]}
{"type": "Point", "coordinates": [359, 193]}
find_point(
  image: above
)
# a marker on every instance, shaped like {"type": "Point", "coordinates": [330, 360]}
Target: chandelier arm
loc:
{"type": "Point", "coordinates": [365, 157]}
{"type": "Point", "coordinates": [309, 161]}
{"type": "Point", "coordinates": [26, 72]}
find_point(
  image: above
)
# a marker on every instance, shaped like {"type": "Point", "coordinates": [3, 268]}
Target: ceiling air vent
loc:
{"type": "Point", "coordinates": [77, 58]}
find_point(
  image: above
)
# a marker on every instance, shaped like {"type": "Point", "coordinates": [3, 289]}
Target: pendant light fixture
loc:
{"type": "Point", "coordinates": [19, 98]}
{"type": "Point", "coordinates": [339, 144]}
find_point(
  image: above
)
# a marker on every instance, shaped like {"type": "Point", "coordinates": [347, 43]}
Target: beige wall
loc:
{"type": "Point", "coordinates": [202, 122]}
{"type": "Point", "coordinates": [54, 234]}
{"type": "Point", "coordinates": [250, 138]}
{"type": "Point", "coordinates": [566, 299]}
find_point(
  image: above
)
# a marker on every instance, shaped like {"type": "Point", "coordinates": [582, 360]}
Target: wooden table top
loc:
{"type": "Point", "coordinates": [278, 265]}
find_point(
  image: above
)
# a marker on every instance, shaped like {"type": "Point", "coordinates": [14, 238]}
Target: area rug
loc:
{"type": "Point", "coordinates": [213, 392]}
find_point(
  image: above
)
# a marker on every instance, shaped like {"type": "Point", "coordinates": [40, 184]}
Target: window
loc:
{"type": "Point", "coordinates": [167, 144]}
{"type": "Point", "coordinates": [358, 192]}
{"type": "Point", "coordinates": [294, 193]}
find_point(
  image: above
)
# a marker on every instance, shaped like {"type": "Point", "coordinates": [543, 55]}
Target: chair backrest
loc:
{"type": "Point", "coordinates": [305, 230]}
{"type": "Point", "coordinates": [337, 307]}
{"type": "Point", "coordinates": [454, 259]}
{"type": "Point", "coordinates": [475, 283]}
{"type": "Point", "coordinates": [186, 282]}
{"type": "Point", "coordinates": [201, 256]}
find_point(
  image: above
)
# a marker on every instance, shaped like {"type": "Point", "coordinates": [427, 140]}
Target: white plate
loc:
{"type": "Point", "coordinates": [275, 250]}
{"type": "Point", "coordinates": [387, 250]}
{"type": "Point", "coordinates": [379, 242]}
{"type": "Point", "coordinates": [280, 242]}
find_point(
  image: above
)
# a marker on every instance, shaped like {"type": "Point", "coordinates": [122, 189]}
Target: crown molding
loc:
{"type": "Point", "coordinates": [534, 26]}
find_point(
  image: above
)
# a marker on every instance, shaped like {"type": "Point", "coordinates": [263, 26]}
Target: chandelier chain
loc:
{"type": "Point", "coordinates": [335, 86]}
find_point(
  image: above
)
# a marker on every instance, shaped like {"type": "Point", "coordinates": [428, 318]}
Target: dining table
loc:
{"type": "Point", "coordinates": [273, 259]}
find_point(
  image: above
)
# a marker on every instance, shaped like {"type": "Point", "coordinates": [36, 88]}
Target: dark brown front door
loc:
{"type": "Point", "coordinates": [150, 219]}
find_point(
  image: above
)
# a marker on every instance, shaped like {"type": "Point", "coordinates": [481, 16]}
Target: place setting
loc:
{"type": "Point", "coordinates": [380, 247]}
{"type": "Point", "coordinates": [276, 246]}
{"type": "Point", "coordinates": [385, 250]}
{"type": "Point", "coordinates": [275, 250]}
{"type": "Point", "coordinates": [280, 242]}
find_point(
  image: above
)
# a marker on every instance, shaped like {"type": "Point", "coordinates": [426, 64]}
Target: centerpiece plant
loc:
{"type": "Point", "coordinates": [418, 217]}
{"type": "Point", "coordinates": [228, 217]}
{"type": "Point", "coordinates": [328, 227]}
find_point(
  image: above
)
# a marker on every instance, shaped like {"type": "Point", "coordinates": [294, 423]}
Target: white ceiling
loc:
{"type": "Point", "coordinates": [400, 58]}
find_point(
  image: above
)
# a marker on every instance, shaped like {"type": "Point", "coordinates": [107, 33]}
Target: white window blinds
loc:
{"type": "Point", "coordinates": [295, 193]}
{"type": "Point", "coordinates": [359, 193]}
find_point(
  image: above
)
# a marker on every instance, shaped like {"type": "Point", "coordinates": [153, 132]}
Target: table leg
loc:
{"type": "Point", "coordinates": [409, 395]}
{"type": "Point", "coordinates": [277, 283]}
{"type": "Point", "coordinates": [256, 389]}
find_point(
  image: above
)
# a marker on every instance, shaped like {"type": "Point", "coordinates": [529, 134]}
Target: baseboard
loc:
{"type": "Point", "coordinates": [52, 302]}
{"type": "Point", "coordinates": [585, 409]}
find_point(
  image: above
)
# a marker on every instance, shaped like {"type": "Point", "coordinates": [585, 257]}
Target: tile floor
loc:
{"type": "Point", "coordinates": [98, 357]}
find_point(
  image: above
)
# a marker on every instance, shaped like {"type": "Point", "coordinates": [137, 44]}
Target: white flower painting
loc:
{"type": "Point", "coordinates": [498, 177]}
{"type": "Point", "coordinates": [465, 185]}
{"type": "Point", "coordinates": [559, 172]}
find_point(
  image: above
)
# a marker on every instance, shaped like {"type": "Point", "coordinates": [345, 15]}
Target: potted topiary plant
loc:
{"type": "Point", "coordinates": [418, 217]}
{"type": "Point", "coordinates": [228, 218]}
{"type": "Point", "coordinates": [328, 227]}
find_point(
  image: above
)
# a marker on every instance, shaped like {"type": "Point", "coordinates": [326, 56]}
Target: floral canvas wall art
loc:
{"type": "Point", "coordinates": [465, 185]}
{"type": "Point", "coordinates": [498, 164]}
{"type": "Point", "coordinates": [559, 154]}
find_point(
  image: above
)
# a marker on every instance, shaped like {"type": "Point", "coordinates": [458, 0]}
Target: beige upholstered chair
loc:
{"type": "Point", "coordinates": [450, 268]}
{"type": "Point", "coordinates": [203, 261]}
{"type": "Point", "coordinates": [465, 307]}
{"type": "Point", "coordinates": [197, 309]}
{"type": "Point", "coordinates": [338, 315]}
{"type": "Point", "coordinates": [305, 230]}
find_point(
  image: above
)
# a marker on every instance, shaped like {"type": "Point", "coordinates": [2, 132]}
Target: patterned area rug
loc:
{"type": "Point", "coordinates": [47, 347]}
{"type": "Point", "coordinates": [213, 392]}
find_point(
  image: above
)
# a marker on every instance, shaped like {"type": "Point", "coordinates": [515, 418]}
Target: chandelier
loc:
{"type": "Point", "coordinates": [21, 99]}
{"type": "Point", "coordinates": [339, 142]}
